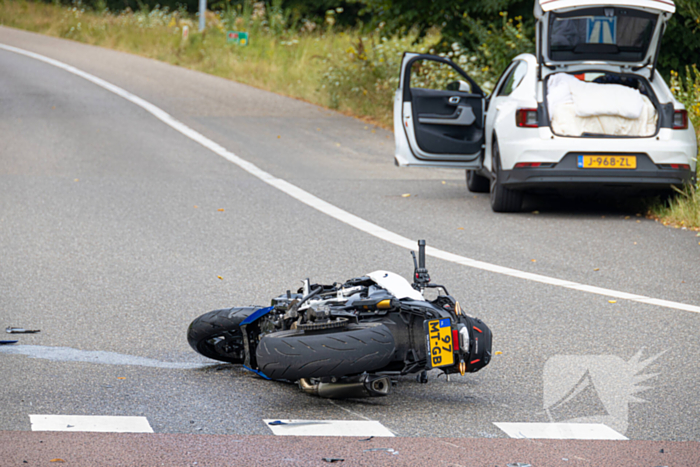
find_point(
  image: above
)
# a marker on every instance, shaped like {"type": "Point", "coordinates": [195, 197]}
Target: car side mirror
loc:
{"type": "Point", "coordinates": [459, 86]}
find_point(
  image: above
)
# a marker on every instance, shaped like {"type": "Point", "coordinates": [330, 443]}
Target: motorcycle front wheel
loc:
{"type": "Point", "coordinates": [217, 334]}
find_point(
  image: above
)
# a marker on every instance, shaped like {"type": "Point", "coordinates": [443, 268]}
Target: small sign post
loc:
{"type": "Point", "coordinates": [237, 37]}
{"type": "Point", "coordinates": [202, 11]}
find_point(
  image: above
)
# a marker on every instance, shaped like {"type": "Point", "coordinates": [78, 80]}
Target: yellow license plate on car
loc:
{"type": "Point", "coordinates": [607, 162]}
{"type": "Point", "coordinates": [439, 335]}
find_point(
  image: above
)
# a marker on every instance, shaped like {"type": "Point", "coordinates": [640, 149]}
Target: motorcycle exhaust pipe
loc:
{"type": "Point", "coordinates": [365, 387]}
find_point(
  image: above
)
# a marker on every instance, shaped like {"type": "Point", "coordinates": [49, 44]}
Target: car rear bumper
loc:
{"type": "Point", "coordinates": [566, 175]}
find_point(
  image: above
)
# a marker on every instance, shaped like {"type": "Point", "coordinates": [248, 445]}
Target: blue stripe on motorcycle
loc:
{"type": "Point", "coordinates": [261, 312]}
{"type": "Point", "coordinates": [259, 373]}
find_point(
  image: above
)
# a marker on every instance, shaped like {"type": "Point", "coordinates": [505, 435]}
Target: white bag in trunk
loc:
{"type": "Point", "coordinates": [578, 107]}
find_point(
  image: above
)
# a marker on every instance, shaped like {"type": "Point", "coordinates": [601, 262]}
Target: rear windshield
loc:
{"type": "Point", "coordinates": [617, 34]}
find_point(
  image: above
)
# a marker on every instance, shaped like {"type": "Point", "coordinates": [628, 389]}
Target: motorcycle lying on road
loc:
{"type": "Point", "coordinates": [349, 340]}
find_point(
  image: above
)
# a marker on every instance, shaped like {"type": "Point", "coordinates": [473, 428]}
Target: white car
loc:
{"type": "Point", "coordinates": [588, 112]}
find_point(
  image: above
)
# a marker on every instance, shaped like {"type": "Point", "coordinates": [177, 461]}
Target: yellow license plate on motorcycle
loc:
{"type": "Point", "coordinates": [439, 336]}
{"type": "Point", "coordinates": [607, 162]}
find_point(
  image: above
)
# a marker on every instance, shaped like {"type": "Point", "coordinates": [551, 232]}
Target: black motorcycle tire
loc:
{"type": "Point", "coordinates": [217, 334]}
{"type": "Point", "coordinates": [292, 355]}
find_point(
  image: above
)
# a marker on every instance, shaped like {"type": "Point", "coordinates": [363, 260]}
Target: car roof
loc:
{"type": "Point", "coordinates": [661, 5]}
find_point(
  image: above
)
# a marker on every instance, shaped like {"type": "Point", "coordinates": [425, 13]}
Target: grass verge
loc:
{"type": "Point", "coordinates": [683, 209]}
{"type": "Point", "coordinates": [292, 63]}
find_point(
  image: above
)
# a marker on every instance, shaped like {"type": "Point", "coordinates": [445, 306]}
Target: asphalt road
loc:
{"type": "Point", "coordinates": [115, 228]}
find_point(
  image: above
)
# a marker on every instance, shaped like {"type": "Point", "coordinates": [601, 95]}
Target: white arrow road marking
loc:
{"type": "Point", "coordinates": [560, 431]}
{"type": "Point", "coordinates": [327, 428]}
{"type": "Point", "coordinates": [93, 423]}
{"type": "Point", "coordinates": [334, 211]}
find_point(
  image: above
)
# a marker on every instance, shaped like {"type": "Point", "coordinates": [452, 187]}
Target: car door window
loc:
{"type": "Point", "coordinates": [513, 79]}
{"type": "Point", "coordinates": [438, 76]}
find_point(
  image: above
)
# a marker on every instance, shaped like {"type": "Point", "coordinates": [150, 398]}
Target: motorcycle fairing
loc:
{"type": "Point", "coordinates": [395, 285]}
{"type": "Point", "coordinates": [256, 315]}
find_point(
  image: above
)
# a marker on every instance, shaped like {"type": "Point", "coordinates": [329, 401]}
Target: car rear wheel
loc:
{"type": "Point", "coordinates": [502, 198]}
{"type": "Point", "coordinates": [477, 183]}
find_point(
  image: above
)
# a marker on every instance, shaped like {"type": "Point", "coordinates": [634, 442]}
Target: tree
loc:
{"type": "Point", "coordinates": [468, 23]}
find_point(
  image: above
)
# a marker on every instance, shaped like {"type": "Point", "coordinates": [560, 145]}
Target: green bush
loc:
{"type": "Point", "coordinates": [367, 74]}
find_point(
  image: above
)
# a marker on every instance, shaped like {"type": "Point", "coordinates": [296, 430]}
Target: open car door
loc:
{"type": "Point", "coordinates": [438, 115]}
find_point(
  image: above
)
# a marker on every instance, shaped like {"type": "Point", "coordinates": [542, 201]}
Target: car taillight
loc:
{"type": "Point", "coordinates": [526, 118]}
{"type": "Point", "coordinates": [522, 165]}
{"type": "Point", "coordinates": [680, 120]}
{"type": "Point", "coordinates": [675, 166]}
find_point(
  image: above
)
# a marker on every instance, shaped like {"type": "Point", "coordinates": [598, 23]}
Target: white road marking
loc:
{"type": "Point", "coordinates": [67, 354]}
{"type": "Point", "coordinates": [93, 423]}
{"type": "Point", "coordinates": [560, 431]}
{"type": "Point", "coordinates": [340, 214]}
{"type": "Point", "coordinates": [328, 428]}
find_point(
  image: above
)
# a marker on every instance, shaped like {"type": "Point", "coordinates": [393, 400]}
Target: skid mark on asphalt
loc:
{"type": "Point", "coordinates": [364, 428]}
{"type": "Point", "coordinates": [94, 423]}
{"type": "Point", "coordinates": [334, 211]}
{"type": "Point", "coordinates": [67, 354]}
{"type": "Point", "coordinates": [596, 431]}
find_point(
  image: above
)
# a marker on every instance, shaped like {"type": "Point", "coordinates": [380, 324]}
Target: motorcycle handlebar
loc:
{"type": "Point", "coordinates": [421, 254]}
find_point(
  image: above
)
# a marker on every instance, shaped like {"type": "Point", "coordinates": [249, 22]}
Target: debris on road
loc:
{"type": "Point", "coordinates": [8, 342]}
{"type": "Point", "coordinates": [519, 464]}
{"type": "Point", "coordinates": [368, 439]}
{"type": "Point", "coordinates": [11, 330]}
{"type": "Point", "coordinates": [277, 422]}
{"type": "Point", "coordinates": [332, 459]}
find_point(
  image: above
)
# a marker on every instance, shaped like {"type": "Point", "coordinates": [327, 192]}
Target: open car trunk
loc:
{"type": "Point", "coordinates": [601, 104]}
{"type": "Point", "coordinates": [597, 60]}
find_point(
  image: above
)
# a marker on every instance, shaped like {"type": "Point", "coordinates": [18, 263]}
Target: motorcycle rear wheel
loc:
{"type": "Point", "coordinates": [292, 355]}
{"type": "Point", "coordinates": [217, 334]}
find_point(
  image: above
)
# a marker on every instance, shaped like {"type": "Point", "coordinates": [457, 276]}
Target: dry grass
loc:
{"type": "Point", "coordinates": [290, 63]}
